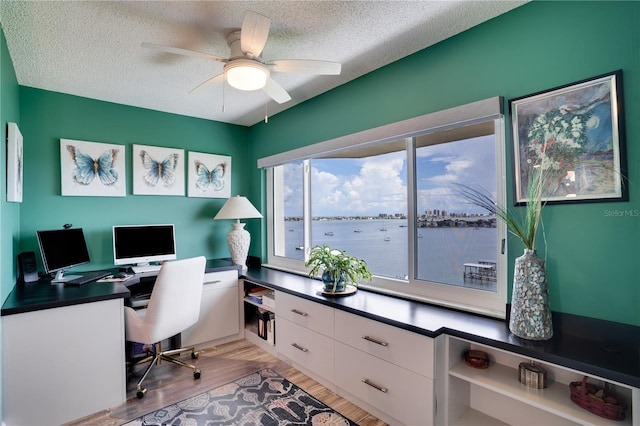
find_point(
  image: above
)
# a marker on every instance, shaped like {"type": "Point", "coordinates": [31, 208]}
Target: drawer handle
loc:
{"type": "Point", "coordinates": [213, 282]}
{"type": "Point", "coordinates": [376, 341]}
{"type": "Point", "coordinates": [302, 314]}
{"type": "Point", "coordinates": [373, 385]}
{"type": "Point", "coordinates": [300, 348]}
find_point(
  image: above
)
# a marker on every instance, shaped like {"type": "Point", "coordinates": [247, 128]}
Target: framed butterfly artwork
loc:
{"type": "Point", "coordinates": [158, 171]}
{"type": "Point", "coordinates": [14, 163]}
{"type": "Point", "coordinates": [92, 169]}
{"type": "Point", "coordinates": [209, 175]}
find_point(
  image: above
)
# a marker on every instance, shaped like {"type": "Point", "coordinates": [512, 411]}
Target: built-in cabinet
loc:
{"type": "Point", "coordinates": [63, 363]}
{"type": "Point", "coordinates": [305, 335]}
{"type": "Point", "coordinates": [408, 378]}
{"type": "Point", "coordinates": [219, 310]}
{"type": "Point", "coordinates": [387, 368]}
{"type": "Point", "coordinates": [494, 395]}
{"type": "Point", "coordinates": [384, 369]}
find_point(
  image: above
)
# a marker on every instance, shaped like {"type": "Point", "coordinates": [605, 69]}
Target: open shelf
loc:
{"type": "Point", "coordinates": [497, 391]}
{"type": "Point", "coordinates": [475, 418]}
{"type": "Point", "coordinates": [553, 399]}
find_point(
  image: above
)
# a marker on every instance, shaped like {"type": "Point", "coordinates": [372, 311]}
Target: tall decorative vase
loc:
{"type": "Point", "coordinates": [530, 312]}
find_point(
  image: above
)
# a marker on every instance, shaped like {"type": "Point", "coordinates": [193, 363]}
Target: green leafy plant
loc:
{"type": "Point", "coordinates": [524, 226]}
{"type": "Point", "coordinates": [336, 265]}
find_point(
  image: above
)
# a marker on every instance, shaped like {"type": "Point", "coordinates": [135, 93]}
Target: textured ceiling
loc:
{"type": "Point", "coordinates": [92, 48]}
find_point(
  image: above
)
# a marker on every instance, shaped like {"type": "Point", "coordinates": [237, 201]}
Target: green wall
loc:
{"type": "Point", "coordinates": [593, 257]}
{"type": "Point", "coordinates": [48, 116]}
{"type": "Point", "coordinates": [9, 212]}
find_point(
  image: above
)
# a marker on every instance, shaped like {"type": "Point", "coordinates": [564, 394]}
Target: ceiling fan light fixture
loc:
{"type": "Point", "coordinates": [246, 74]}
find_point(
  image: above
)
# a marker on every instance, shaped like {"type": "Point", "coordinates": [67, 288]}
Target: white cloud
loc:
{"type": "Point", "coordinates": [377, 187]}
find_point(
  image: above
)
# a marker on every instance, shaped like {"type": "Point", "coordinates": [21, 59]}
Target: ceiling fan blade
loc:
{"type": "Point", "coordinates": [305, 66]}
{"type": "Point", "coordinates": [207, 83]}
{"type": "Point", "coordinates": [254, 33]}
{"type": "Point", "coordinates": [276, 92]}
{"type": "Point", "coordinates": [184, 52]}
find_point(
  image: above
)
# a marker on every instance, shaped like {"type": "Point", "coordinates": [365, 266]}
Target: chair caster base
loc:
{"type": "Point", "coordinates": [141, 392]}
{"type": "Point", "coordinates": [196, 374]}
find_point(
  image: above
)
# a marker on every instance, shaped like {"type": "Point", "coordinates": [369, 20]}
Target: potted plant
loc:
{"type": "Point", "coordinates": [338, 269]}
{"type": "Point", "coordinates": [530, 312]}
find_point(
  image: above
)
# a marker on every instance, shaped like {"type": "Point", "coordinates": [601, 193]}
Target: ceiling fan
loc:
{"type": "Point", "coordinates": [245, 69]}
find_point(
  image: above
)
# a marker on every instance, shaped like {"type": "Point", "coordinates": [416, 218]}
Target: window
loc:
{"type": "Point", "coordinates": [392, 201]}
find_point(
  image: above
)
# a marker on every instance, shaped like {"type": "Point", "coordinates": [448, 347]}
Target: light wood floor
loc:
{"type": "Point", "coordinates": [168, 384]}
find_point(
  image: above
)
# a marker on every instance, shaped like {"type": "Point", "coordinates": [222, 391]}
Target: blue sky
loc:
{"type": "Point", "coordinates": [378, 184]}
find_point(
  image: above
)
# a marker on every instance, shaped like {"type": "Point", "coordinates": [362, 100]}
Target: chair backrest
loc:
{"type": "Point", "coordinates": [175, 301]}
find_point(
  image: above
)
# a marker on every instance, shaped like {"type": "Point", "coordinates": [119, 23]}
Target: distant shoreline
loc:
{"type": "Point", "coordinates": [449, 221]}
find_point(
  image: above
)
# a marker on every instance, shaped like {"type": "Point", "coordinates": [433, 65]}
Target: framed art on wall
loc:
{"type": "Point", "coordinates": [14, 163]}
{"type": "Point", "coordinates": [92, 169]}
{"type": "Point", "coordinates": [158, 171]}
{"type": "Point", "coordinates": [574, 134]}
{"type": "Point", "coordinates": [209, 175]}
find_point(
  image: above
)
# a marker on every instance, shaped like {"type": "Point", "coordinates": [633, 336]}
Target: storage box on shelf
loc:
{"type": "Point", "coordinates": [495, 394]}
{"type": "Point", "coordinates": [389, 370]}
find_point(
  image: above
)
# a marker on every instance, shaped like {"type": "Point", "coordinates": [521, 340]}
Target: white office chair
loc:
{"type": "Point", "coordinates": [173, 307]}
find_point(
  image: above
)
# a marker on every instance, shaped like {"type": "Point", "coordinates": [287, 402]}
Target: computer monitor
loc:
{"type": "Point", "coordinates": [62, 249]}
{"type": "Point", "coordinates": [143, 244]}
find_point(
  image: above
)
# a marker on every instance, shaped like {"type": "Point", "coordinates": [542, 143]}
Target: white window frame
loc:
{"type": "Point", "coordinates": [478, 301]}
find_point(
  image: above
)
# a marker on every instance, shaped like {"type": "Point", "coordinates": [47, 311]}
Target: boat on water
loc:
{"type": "Point", "coordinates": [329, 233]}
{"type": "Point", "coordinates": [383, 229]}
{"type": "Point", "coordinates": [387, 238]}
{"type": "Point", "coordinates": [300, 248]}
{"type": "Point", "coordinates": [357, 230]}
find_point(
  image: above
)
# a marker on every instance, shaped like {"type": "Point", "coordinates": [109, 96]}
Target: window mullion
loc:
{"type": "Point", "coordinates": [306, 207]}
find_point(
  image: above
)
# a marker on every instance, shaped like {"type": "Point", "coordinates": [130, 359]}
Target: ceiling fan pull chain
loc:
{"type": "Point", "coordinates": [266, 112]}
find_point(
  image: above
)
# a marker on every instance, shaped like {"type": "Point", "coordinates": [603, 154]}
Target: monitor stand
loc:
{"type": "Point", "coordinates": [62, 278]}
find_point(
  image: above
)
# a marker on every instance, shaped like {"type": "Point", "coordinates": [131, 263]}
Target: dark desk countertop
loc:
{"type": "Point", "coordinates": [601, 348]}
{"type": "Point", "coordinates": [39, 295]}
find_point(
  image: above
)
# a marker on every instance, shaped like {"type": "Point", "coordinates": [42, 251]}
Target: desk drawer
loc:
{"type": "Point", "coordinates": [400, 393]}
{"type": "Point", "coordinates": [307, 348]}
{"type": "Point", "coordinates": [409, 350]}
{"type": "Point", "coordinates": [308, 314]}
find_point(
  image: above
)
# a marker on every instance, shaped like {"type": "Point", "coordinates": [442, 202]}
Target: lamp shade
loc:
{"type": "Point", "coordinates": [238, 207]}
{"type": "Point", "coordinates": [245, 74]}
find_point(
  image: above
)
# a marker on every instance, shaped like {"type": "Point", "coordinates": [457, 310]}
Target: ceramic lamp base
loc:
{"type": "Point", "coordinates": [239, 240]}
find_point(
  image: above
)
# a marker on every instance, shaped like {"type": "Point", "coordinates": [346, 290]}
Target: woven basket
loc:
{"type": "Point", "coordinates": [583, 394]}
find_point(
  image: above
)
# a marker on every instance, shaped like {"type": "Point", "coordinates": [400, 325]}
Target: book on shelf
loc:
{"type": "Point", "coordinates": [271, 329]}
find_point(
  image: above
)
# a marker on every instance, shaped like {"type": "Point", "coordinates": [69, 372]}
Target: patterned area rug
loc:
{"type": "Point", "coordinates": [263, 398]}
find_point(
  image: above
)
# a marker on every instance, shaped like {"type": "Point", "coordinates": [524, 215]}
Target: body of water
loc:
{"type": "Point", "coordinates": [383, 243]}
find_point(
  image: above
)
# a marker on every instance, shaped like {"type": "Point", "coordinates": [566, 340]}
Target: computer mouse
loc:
{"type": "Point", "coordinates": [121, 275]}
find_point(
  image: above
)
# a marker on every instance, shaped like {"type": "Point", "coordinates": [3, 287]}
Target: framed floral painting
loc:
{"type": "Point", "coordinates": [573, 135]}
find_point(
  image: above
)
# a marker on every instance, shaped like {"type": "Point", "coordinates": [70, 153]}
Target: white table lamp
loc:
{"type": "Point", "coordinates": [238, 238]}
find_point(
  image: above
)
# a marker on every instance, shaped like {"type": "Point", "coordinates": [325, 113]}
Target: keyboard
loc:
{"type": "Point", "coordinates": [88, 277]}
{"type": "Point", "coordinates": [143, 269]}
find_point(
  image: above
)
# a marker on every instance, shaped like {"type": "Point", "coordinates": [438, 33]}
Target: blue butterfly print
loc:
{"type": "Point", "coordinates": [213, 177]}
{"type": "Point", "coordinates": [88, 168]}
{"type": "Point", "coordinates": [159, 170]}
